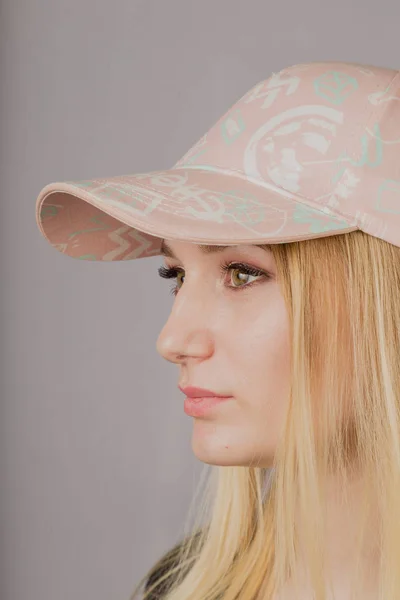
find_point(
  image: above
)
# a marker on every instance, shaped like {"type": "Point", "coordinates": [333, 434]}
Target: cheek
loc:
{"type": "Point", "coordinates": [264, 349]}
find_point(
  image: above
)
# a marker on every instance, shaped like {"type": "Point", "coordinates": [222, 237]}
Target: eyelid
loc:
{"type": "Point", "coordinates": [230, 264]}
{"type": "Point", "coordinates": [243, 260]}
{"type": "Point", "coordinates": [169, 272]}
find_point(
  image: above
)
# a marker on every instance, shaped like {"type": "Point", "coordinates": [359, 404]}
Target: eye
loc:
{"type": "Point", "coordinates": [237, 268]}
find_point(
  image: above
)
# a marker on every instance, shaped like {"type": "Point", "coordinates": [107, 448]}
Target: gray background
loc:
{"type": "Point", "coordinates": [96, 466]}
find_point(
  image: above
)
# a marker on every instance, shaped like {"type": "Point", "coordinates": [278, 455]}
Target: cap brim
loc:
{"type": "Point", "coordinates": [126, 217]}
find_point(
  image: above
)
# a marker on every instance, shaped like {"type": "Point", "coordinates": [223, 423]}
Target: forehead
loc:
{"type": "Point", "coordinates": [206, 249]}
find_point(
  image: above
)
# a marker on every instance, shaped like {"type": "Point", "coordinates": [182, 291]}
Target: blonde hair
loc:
{"type": "Point", "coordinates": [342, 298]}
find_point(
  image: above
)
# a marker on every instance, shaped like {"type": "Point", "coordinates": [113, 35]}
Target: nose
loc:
{"type": "Point", "coordinates": [187, 331]}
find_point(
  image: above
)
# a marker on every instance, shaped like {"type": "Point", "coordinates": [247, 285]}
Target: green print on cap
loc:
{"type": "Point", "coordinates": [305, 214]}
{"type": "Point", "coordinates": [335, 87]}
{"type": "Point", "coordinates": [242, 207]}
{"type": "Point", "coordinates": [85, 183]}
{"type": "Point", "coordinates": [392, 186]}
{"type": "Point", "coordinates": [232, 127]}
{"type": "Point", "coordinates": [95, 219]}
{"type": "Point", "coordinates": [344, 157]}
{"type": "Point", "coordinates": [48, 210]}
{"type": "Point", "coordinates": [193, 158]}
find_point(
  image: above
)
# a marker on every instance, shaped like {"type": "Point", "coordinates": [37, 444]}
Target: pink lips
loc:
{"type": "Point", "coordinates": [197, 392]}
{"type": "Point", "coordinates": [200, 407]}
{"type": "Point", "coordinates": [200, 401]}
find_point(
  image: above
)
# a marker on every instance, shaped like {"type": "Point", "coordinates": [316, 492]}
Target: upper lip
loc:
{"type": "Point", "coordinates": [198, 392]}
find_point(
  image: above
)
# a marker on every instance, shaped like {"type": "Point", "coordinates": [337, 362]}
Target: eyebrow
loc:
{"type": "Point", "coordinates": [206, 249]}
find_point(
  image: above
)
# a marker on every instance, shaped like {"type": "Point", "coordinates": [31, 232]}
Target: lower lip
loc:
{"type": "Point", "coordinates": [198, 407]}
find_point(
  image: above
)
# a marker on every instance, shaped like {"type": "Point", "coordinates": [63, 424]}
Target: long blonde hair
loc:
{"type": "Point", "coordinates": [342, 295]}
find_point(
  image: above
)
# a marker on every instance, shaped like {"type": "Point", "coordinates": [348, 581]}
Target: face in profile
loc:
{"type": "Point", "coordinates": [228, 332]}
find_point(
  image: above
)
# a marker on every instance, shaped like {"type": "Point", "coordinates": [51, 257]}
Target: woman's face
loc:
{"type": "Point", "coordinates": [230, 337]}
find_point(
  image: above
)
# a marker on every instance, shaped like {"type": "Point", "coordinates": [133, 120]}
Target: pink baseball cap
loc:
{"type": "Point", "coordinates": [309, 152]}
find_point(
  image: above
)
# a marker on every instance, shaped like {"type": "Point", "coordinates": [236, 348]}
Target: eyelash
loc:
{"type": "Point", "coordinates": [172, 272]}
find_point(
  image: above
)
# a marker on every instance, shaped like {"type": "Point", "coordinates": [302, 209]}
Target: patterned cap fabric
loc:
{"type": "Point", "coordinates": [310, 152]}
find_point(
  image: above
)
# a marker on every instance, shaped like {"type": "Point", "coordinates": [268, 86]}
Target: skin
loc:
{"type": "Point", "coordinates": [236, 343]}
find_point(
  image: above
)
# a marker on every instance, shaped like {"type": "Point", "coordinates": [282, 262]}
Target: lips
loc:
{"type": "Point", "coordinates": [197, 392]}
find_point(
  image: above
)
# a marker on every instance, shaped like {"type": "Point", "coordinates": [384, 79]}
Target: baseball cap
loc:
{"type": "Point", "coordinates": [311, 151]}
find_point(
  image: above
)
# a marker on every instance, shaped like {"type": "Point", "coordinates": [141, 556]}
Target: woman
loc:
{"type": "Point", "coordinates": [281, 230]}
